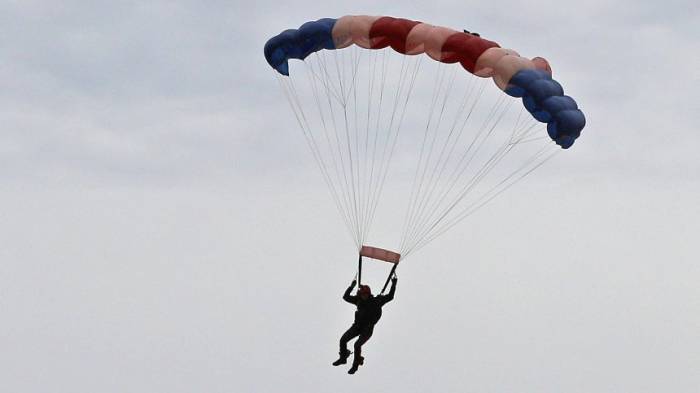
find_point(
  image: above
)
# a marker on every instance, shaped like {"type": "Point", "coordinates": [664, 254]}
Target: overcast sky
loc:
{"type": "Point", "coordinates": [163, 227]}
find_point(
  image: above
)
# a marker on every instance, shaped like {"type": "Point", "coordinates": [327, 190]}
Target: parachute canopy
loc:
{"type": "Point", "coordinates": [529, 79]}
{"type": "Point", "coordinates": [365, 84]}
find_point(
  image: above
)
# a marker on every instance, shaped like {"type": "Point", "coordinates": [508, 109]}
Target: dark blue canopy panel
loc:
{"type": "Point", "coordinates": [544, 98]}
{"type": "Point", "coordinates": [299, 43]}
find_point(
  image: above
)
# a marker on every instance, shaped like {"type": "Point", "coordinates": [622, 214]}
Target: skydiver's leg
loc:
{"type": "Point", "coordinates": [358, 360]}
{"type": "Point", "coordinates": [365, 335]}
{"type": "Point", "coordinates": [351, 333]}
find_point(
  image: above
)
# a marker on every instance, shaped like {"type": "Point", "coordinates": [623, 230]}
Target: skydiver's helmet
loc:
{"type": "Point", "coordinates": [364, 291]}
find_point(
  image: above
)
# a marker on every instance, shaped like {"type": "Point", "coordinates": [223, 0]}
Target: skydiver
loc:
{"type": "Point", "coordinates": [369, 310]}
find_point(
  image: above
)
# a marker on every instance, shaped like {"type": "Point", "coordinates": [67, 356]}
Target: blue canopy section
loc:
{"type": "Point", "coordinates": [298, 44]}
{"type": "Point", "coordinates": [544, 98]}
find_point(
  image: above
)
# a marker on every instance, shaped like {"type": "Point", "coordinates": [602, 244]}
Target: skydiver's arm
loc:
{"type": "Point", "coordinates": [349, 298]}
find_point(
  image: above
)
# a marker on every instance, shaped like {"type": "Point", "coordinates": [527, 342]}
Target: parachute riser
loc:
{"type": "Point", "coordinates": [359, 272]}
{"type": "Point", "coordinates": [391, 273]}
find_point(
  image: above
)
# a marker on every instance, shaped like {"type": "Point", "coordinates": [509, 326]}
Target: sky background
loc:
{"type": "Point", "coordinates": [163, 227]}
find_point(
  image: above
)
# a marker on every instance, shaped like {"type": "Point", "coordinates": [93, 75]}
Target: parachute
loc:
{"type": "Point", "coordinates": [356, 103]}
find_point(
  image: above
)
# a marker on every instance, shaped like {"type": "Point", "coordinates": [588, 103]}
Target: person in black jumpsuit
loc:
{"type": "Point", "coordinates": [369, 310]}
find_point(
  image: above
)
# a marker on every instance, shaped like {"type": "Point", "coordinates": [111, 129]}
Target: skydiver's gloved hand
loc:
{"type": "Point", "coordinates": [346, 296]}
{"type": "Point", "coordinates": [394, 280]}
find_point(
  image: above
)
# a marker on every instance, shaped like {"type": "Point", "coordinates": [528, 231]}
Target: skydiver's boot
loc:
{"type": "Point", "coordinates": [357, 362]}
{"type": "Point", "coordinates": [343, 358]}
